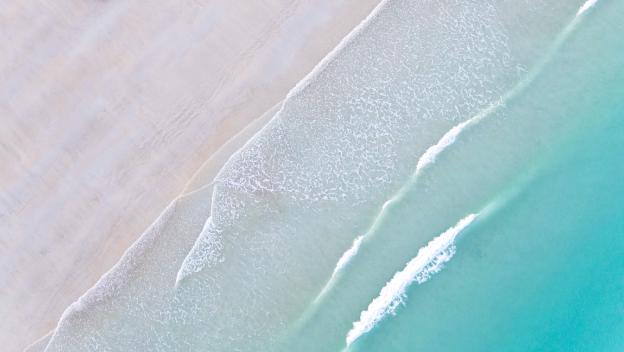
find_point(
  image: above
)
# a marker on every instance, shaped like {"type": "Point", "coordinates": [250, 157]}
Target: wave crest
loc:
{"type": "Point", "coordinates": [429, 260]}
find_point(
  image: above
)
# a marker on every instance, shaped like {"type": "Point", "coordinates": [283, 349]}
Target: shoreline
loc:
{"type": "Point", "coordinates": [202, 179]}
{"type": "Point", "coordinates": [41, 279]}
{"type": "Point", "coordinates": [211, 167]}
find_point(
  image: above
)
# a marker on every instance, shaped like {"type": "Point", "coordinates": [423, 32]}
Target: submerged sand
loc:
{"type": "Point", "coordinates": [109, 108]}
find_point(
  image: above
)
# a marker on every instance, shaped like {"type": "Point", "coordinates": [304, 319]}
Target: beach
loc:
{"type": "Point", "coordinates": [445, 175]}
{"type": "Point", "coordinates": [129, 100]}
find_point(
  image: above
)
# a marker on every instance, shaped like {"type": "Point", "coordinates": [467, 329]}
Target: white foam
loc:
{"type": "Point", "coordinates": [344, 260]}
{"type": "Point", "coordinates": [429, 260]}
{"type": "Point", "coordinates": [206, 251]}
{"type": "Point", "coordinates": [586, 6]}
{"type": "Point", "coordinates": [430, 155]}
{"type": "Point", "coordinates": [348, 255]}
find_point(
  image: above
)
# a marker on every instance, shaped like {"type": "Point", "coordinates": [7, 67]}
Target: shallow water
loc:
{"type": "Point", "coordinates": [520, 124]}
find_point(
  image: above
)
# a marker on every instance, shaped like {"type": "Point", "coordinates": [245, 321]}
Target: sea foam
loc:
{"type": "Point", "coordinates": [429, 260]}
{"type": "Point", "coordinates": [348, 255]}
{"type": "Point", "coordinates": [207, 249]}
{"type": "Point", "coordinates": [430, 155]}
{"type": "Point", "coordinates": [586, 6]}
{"type": "Point", "coordinates": [342, 263]}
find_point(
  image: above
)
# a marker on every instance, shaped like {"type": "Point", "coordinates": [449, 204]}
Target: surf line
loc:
{"type": "Point", "coordinates": [586, 6]}
{"type": "Point", "coordinates": [429, 261]}
{"type": "Point", "coordinates": [341, 264]}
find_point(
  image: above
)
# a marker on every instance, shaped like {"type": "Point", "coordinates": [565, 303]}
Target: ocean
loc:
{"type": "Point", "coordinates": [450, 178]}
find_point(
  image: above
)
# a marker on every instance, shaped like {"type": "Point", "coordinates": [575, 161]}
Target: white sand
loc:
{"type": "Point", "coordinates": [107, 108]}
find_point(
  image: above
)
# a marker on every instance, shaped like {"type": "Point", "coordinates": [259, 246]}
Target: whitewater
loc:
{"type": "Point", "coordinates": [429, 261]}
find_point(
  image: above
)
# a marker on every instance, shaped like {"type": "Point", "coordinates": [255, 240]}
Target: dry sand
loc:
{"type": "Point", "coordinates": [107, 108]}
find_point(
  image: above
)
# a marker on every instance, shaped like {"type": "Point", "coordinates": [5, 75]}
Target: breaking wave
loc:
{"type": "Point", "coordinates": [348, 255]}
{"type": "Point", "coordinates": [344, 260]}
{"type": "Point", "coordinates": [586, 6]}
{"type": "Point", "coordinates": [429, 261]}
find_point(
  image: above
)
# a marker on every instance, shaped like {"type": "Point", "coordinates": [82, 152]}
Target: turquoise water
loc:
{"type": "Point", "coordinates": [542, 266]}
{"type": "Point", "coordinates": [545, 272]}
{"type": "Point", "coordinates": [403, 202]}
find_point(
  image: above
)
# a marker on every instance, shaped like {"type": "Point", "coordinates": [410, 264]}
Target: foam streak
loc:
{"type": "Point", "coordinates": [447, 140]}
{"type": "Point", "coordinates": [429, 260]}
{"type": "Point", "coordinates": [586, 6]}
{"type": "Point", "coordinates": [348, 255]}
